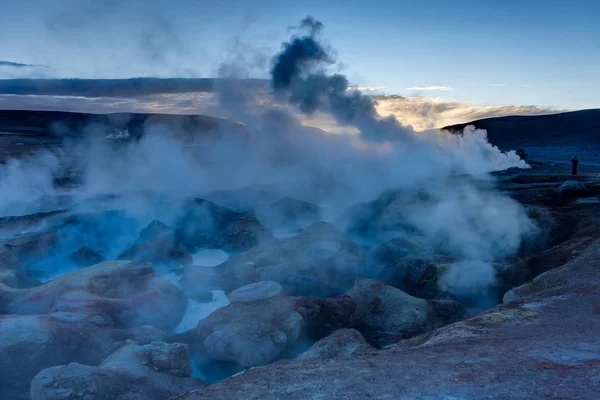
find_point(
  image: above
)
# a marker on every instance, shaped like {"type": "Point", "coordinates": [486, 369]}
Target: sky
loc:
{"type": "Point", "coordinates": [485, 54]}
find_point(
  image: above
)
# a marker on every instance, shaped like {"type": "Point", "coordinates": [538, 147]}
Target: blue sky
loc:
{"type": "Point", "coordinates": [534, 52]}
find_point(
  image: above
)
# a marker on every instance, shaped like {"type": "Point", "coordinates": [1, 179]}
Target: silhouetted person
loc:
{"type": "Point", "coordinates": [574, 163]}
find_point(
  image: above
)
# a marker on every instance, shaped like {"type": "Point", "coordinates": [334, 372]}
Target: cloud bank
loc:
{"type": "Point", "coordinates": [15, 64]}
{"type": "Point", "coordinates": [427, 113]}
{"type": "Point", "coordinates": [197, 96]}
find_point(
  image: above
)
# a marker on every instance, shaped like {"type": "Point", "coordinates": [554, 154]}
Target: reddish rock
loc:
{"type": "Point", "coordinates": [157, 370]}
{"type": "Point", "coordinates": [31, 245]}
{"type": "Point", "coordinates": [30, 343]}
{"type": "Point", "coordinates": [543, 343]}
{"type": "Point", "coordinates": [341, 343]}
{"type": "Point", "coordinates": [128, 292]}
{"type": "Point", "coordinates": [539, 347]}
{"type": "Point", "coordinates": [250, 334]}
{"type": "Point", "coordinates": [255, 292]}
{"type": "Point", "coordinates": [260, 331]}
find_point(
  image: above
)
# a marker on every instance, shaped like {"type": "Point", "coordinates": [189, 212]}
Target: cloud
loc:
{"type": "Point", "coordinates": [499, 85]}
{"type": "Point", "coordinates": [13, 70]}
{"type": "Point", "coordinates": [16, 64]}
{"type": "Point", "coordinates": [430, 88]}
{"type": "Point", "coordinates": [430, 112]}
{"type": "Point", "coordinates": [187, 103]}
{"type": "Point", "coordinates": [367, 88]}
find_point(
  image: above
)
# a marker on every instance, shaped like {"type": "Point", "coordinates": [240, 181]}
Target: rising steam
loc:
{"type": "Point", "coordinates": [272, 149]}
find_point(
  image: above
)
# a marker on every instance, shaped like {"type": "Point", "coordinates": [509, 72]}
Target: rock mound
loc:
{"type": "Point", "coordinates": [157, 370]}
{"type": "Point", "coordinates": [129, 293]}
{"type": "Point", "coordinates": [341, 343]}
{"type": "Point", "coordinates": [35, 342]}
{"type": "Point", "coordinates": [572, 188]}
{"type": "Point", "coordinates": [85, 257]}
{"type": "Point", "coordinates": [206, 224]}
{"type": "Point", "coordinates": [255, 292]}
{"type": "Point", "coordinates": [250, 334]}
{"type": "Point", "coordinates": [321, 261]}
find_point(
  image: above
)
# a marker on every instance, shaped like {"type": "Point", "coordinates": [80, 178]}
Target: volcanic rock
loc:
{"type": "Point", "coordinates": [158, 243]}
{"type": "Point", "coordinates": [341, 343]}
{"type": "Point", "coordinates": [243, 234]}
{"type": "Point", "coordinates": [255, 292]}
{"type": "Point", "coordinates": [397, 263]}
{"type": "Point", "coordinates": [205, 224]}
{"type": "Point", "coordinates": [31, 245]}
{"type": "Point", "coordinates": [156, 370]}
{"type": "Point", "coordinates": [257, 332]}
{"type": "Point", "coordinates": [158, 228]}
{"type": "Point", "coordinates": [320, 261]}
{"type": "Point", "coordinates": [382, 216]}
{"type": "Point", "coordinates": [389, 314]}
{"type": "Point", "coordinates": [542, 343]}
{"type": "Point", "coordinates": [250, 334]}
{"type": "Point", "coordinates": [158, 250]}
{"type": "Point", "coordinates": [572, 188]}
{"type": "Point", "coordinates": [86, 257]}
{"type": "Point", "coordinates": [30, 343]}
{"type": "Point", "coordinates": [128, 292]}
{"type": "Point", "coordinates": [540, 347]}
{"type": "Point", "coordinates": [30, 222]}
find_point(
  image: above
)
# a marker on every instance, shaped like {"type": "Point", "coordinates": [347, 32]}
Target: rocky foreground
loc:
{"type": "Point", "coordinates": [541, 342]}
{"type": "Point", "coordinates": [315, 314]}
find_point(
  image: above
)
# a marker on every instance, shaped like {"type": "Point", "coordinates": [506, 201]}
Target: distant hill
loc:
{"type": "Point", "coordinates": [22, 132]}
{"type": "Point", "coordinates": [59, 123]}
{"type": "Point", "coordinates": [577, 128]}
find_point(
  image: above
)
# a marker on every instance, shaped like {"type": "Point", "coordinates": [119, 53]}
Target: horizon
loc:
{"type": "Point", "coordinates": [196, 96]}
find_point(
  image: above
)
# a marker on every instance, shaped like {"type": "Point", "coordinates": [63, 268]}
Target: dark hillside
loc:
{"type": "Point", "coordinates": [577, 128]}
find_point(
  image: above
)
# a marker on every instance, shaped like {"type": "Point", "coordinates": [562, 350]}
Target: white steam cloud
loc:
{"type": "Point", "coordinates": [23, 182]}
{"type": "Point", "coordinates": [273, 149]}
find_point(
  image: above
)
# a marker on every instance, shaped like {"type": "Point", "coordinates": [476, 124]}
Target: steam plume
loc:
{"type": "Point", "coordinates": [274, 150]}
{"type": "Point", "coordinates": [300, 70]}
